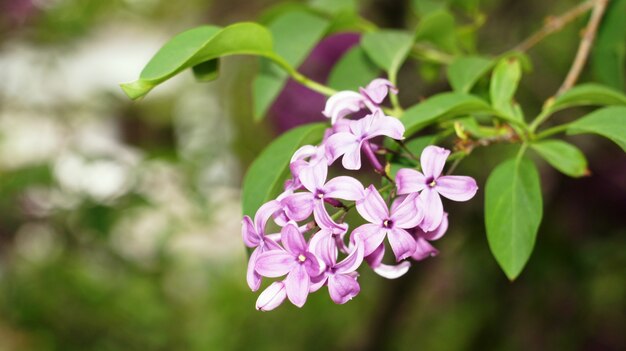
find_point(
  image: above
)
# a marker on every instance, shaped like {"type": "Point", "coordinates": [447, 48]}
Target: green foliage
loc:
{"type": "Point", "coordinates": [465, 71]}
{"type": "Point", "coordinates": [513, 211]}
{"type": "Point", "coordinates": [563, 156]}
{"type": "Point", "coordinates": [199, 45]}
{"type": "Point", "coordinates": [388, 49]}
{"type": "Point", "coordinates": [442, 106]}
{"type": "Point", "coordinates": [295, 33]}
{"type": "Point", "coordinates": [504, 82]}
{"type": "Point", "coordinates": [609, 52]}
{"type": "Point", "coordinates": [438, 28]}
{"type": "Point", "coordinates": [354, 70]}
{"type": "Point", "coordinates": [588, 94]}
{"type": "Point", "coordinates": [268, 171]}
{"type": "Point", "coordinates": [609, 122]}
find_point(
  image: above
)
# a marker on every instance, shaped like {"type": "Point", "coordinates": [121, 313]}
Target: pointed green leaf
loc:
{"type": "Point", "coordinates": [563, 156]}
{"type": "Point", "coordinates": [588, 95]}
{"type": "Point", "coordinates": [353, 70]}
{"type": "Point", "coordinates": [335, 6]}
{"type": "Point", "coordinates": [199, 45]}
{"type": "Point", "coordinates": [441, 106]}
{"type": "Point", "coordinates": [438, 28]}
{"type": "Point", "coordinates": [295, 34]}
{"type": "Point", "coordinates": [609, 122]}
{"type": "Point", "coordinates": [504, 82]}
{"type": "Point", "coordinates": [388, 49]}
{"type": "Point", "coordinates": [465, 71]}
{"type": "Point", "coordinates": [513, 211]}
{"type": "Point", "coordinates": [267, 173]}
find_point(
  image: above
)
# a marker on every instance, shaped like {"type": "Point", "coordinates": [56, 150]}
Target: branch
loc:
{"type": "Point", "coordinates": [554, 24]}
{"type": "Point", "coordinates": [585, 46]}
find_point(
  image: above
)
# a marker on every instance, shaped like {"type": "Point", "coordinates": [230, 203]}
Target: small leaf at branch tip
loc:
{"type": "Point", "coordinates": [136, 89]}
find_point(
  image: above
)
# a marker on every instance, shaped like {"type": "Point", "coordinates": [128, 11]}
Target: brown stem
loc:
{"type": "Point", "coordinates": [585, 46]}
{"type": "Point", "coordinates": [554, 24]}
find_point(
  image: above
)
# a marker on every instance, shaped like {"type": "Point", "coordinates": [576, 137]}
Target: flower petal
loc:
{"type": "Point", "coordinates": [438, 232]}
{"type": "Point", "coordinates": [342, 288]}
{"type": "Point", "coordinates": [378, 89]}
{"type": "Point", "coordinates": [252, 277]}
{"type": "Point", "coordinates": [409, 181]}
{"type": "Point", "coordinates": [297, 285]}
{"type": "Point", "coordinates": [344, 187]}
{"type": "Point", "coordinates": [385, 125]}
{"type": "Point", "coordinates": [298, 206]}
{"type": "Point", "coordinates": [432, 160]}
{"type": "Point", "coordinates": [274, 263]}
{"type": "Point", "coordinates": [342, 104]}
{"type": "Point", "coordinates": [375, 258]}
{"type": "Point", "coordinates": [457, 188]}
{"type": "Point", "coordinates": [392, 271]}
{"type": "Point", "coordinates": [339, 144]}
{"type": "Point", "coordinates": [372, 207]}
{"type": "Point", "coordinates": [324, 246]}
{"type": "Point", "coordinates": [311, 264]}
{"type": "Point", "coordinates": [271, 297]}
{"type": "Point", "coordinates": [264, 213]}
{"type": "Point", "coordinates": [303, 152]}
{"type": "Point", "coordinates": [352, 158]}
{"type": "Point", "coordinates": [324, 221]}
{"type": "Point", "coordinates": [402, 243]}
{"type": "Point", "coordinates": [314, 176]}
{"type": "Point", "coordinates": [292, 239]}
{"type": "Point", "coordinates": [248, 232]}
{"type": "Point", "coordinates": [352, 261]}
{"type": "Point", "coordinates": [433, 210]}
{"type": "Point", "coordinates": [408, 213]}
{"type": "Point", "coordinates": [371, 234]}
{"type": "Point", "coordinates": [423, 250]}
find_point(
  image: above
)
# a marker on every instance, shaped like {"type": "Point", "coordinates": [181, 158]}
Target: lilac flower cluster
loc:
{"type": "Point", "coordinates": [415, 217]}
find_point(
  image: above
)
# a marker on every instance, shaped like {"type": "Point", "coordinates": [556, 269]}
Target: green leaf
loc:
{"type": "Point", "coordinates": [207, 71]}
{"type": "Point", "coordinates": [513, 210]}
{"type": "Point", "coordinates": [441, 106]}
{"type": "Point", "coordinates": [353, 70]}
{"type": "Point", "coordinates": [196, 46]}
{"type": "Point", "coordinates": [588, 95]}
{"type": "Point", "coordinates": [417, 145]}
{"type": "Point", "coordinates": [608, 57]}
{"type": "Point", "coordinates": [563, 156]}
{"type": "Point", "coordinates": [266, 174]}
{"type": "Point", "coordinates": [504, 82]}
{"type": "Point", "coordinates": [295, 34]}
{"type": "Point", "coordinates": [335, 6]}
{"type": "Point", "coordinates": [438, 28]}
{"type": "Point", "coordinates": [388, 49]}
{"type": "Point", "coordinates": [609, 122]}
{"type": "Point", "coordinates": [465, 71]}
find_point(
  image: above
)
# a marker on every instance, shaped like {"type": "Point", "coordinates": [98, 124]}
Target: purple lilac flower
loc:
{"type": "Point", "coordinates": [339, 276]}
{"type": "Point", "coordinates": [271, 297]}
{"type": "Point", "coordinates": [375, 259]}
{"type": "Point", "coordinates": [299, 206]}
{"type": "Point", "coordinates": [423, 247]}
{"type": "Point", "coordinates": [254, 237]}
{"type": "Point", "coordinates": [349, 143]}
{"type": "Point", "coordinates": [405, 213]}
{"type": "Point", "coordinates": [348, 102]}
{"type": "Point", "coordinates": [431, 184]}
{"type": "Point", "coordinates": [295, 260]}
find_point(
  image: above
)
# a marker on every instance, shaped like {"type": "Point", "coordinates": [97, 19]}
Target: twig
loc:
{"type": "Point", "coordinates": [554, 24]}
{"type": "Point", "coordinates": [585, 46]}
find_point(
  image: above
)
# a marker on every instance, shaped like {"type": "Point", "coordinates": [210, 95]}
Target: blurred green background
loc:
{"type": "Point", "coordinates": [120, 220]}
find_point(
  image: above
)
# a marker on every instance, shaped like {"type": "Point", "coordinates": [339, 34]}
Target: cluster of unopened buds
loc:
{"type": "Point", "coordinates": [311, 247]}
